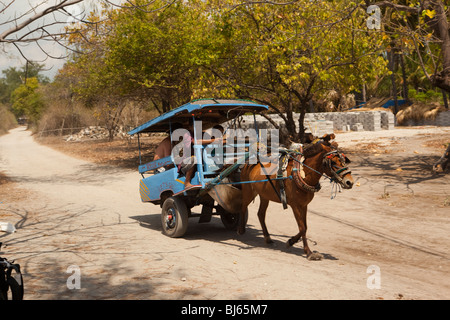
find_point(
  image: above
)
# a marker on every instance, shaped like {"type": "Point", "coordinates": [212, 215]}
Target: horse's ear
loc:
{"type": "Point", "coordinates": [328, 137]}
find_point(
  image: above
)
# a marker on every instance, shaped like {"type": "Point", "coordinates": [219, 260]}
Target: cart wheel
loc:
{"type": "Point", "coordinates": [174, 217]}
{"type": "Point", "coordinates": [230, 220]}
{"type": "Point", "coordinates": [3, 285]}
{"type": "Point", "coordinates": [15, 282]}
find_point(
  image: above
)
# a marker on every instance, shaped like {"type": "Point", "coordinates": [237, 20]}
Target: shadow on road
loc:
{"type": "Point", "coordinates": [214, 231]}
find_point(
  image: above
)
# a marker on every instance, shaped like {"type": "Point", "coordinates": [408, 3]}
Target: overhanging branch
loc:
{"type": "Point", "coordinates": [37, 16]}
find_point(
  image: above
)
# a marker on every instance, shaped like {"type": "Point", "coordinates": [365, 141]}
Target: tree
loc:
{"type": "Point", "coordinates": [417, 25]}
{"type": "Point", "coordinates": [286, 55]}
{"type": "Point", "coordinates": [157, 54]}
{"type": "Point", "coordinates": [42, 22]}
{"type": "Point", "coordinates": [31, 26]}
{"type": "Point", "coordinates": [281, 54]}
{"type": "Point", "coordinates": [27, 100]}
{"type": "Point", "coordinates": [89, 77]}
{"type": "Point", "coordinates": [138, 55]}
{"type": "Point", "coordinates": [13, 78]}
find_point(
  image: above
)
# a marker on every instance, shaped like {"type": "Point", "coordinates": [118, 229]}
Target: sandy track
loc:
{"type": "Point", "coordinates": [74, 213]}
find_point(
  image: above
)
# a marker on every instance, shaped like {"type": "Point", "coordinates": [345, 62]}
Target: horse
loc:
{"type": "Point", "coordinates": [300, 184]}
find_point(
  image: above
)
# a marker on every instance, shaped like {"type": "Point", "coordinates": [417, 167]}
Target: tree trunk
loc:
{"type": "Point", "coordinates": [442, 78]}
{"type": "Point", "coordinates": [444, 97]}
{"type": "Point", "coordinates": [439, 23]}
{"type": "Point", "coordinates": [301, 121]}
{"type": "Point", "coordinates": [405, 85]}
{"type": "Point", "coordinates": [290, 123]}
{"type": "Point", "coordinates": [114, 116]}
{"type": "Point", "coordinates": [363, 91]}
{"type": "Point", "coordinates": [391, 56]}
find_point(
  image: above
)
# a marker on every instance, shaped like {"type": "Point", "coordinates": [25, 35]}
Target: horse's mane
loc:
{"type": "Point", "coordinates": [310, 150]}
{"type": "Point", "coordinates": [314, 148]}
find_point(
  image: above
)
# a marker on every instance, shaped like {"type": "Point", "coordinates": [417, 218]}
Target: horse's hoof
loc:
{"type": "Point", "coordinates": [240, 232]}
{"type": "Point", "coordinates": [289, 243]}
{"type": "Point", "coordinates": [315, 256]}
{"type": "Point", "coordinates": [269, 241]}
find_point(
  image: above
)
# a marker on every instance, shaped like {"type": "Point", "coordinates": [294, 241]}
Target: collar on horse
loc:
{"type": "Point", "coordinates": [298, 175]}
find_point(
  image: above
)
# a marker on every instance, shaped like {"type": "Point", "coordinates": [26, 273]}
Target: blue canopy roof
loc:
{"type": "Point", "coordinates": [209, 111]}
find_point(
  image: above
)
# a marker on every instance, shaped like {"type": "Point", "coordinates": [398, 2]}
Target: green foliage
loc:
{"type": "Point", "coordinates": [10, 81]}
{"type": "Point", "coordinates": [13, 78]}
{"type": "Point", "coordinates": [414, 28]}
{"type": "Point", "coordinates": [427, 96]}
{"type": "Point", "coordinates": [282, 55]}
{"type": "Point", "coordinates": [151, 56]}
{"type": "Point", "coordinates": [286, 55]}
{"type": "Point", "coordinates": [27, 100]}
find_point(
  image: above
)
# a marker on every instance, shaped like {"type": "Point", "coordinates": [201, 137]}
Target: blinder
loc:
{"type": "Point", "coordinates": [340, 172]}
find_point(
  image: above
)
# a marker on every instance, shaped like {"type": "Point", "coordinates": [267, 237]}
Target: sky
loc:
{"type": "Point", "coordinates": [11, 57]}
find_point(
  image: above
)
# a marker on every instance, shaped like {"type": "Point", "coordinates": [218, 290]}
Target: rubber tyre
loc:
{"type": "Point", "coordinates": [12, 287]}
{"type": "Point", "coordinates": [16, 287]}
{"type": "Point", "coordinates": [230, 220]}
{"type": "Point", "coordinates": [174, 217]}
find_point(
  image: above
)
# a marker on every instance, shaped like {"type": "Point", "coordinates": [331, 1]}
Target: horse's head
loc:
{"type": "Point", "coordinates": [335, 165]}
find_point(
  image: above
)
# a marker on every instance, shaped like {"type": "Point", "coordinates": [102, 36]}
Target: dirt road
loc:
{"type": "Point", "coordinates": [387, 238]}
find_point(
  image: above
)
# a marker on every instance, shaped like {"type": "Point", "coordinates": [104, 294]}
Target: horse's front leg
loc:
{"type": "Point", "coordinates": [300, 217]}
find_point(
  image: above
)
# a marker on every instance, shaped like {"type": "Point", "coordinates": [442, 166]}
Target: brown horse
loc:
{"type": "Point", "coordinates": [300, 186]}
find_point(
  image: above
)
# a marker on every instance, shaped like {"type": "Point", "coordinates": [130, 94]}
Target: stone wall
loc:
{"type": "Point", "coordinates": [321, 123]}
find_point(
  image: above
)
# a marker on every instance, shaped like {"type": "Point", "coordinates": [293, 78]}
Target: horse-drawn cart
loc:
{"type": "Point", "coordinates": [215, 182]}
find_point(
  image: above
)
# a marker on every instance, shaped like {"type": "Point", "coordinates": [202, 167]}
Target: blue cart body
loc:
{"type": "Point", "coordinates": [157, 187]}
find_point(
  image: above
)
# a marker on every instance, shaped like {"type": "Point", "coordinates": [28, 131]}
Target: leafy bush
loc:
{"type": "Point", "coordinates": [27, 100]}
{"type": "Point", "coordinates": [427, 96]}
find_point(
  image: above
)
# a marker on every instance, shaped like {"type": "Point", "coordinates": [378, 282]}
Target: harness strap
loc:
{"type": "Point", "coordinates": [270, 181]}
{"type": "Point", "coordinates": [299, 180]}
{"type": "Point", "coordinates": [283, 162]}
{"type": "Point", "coordinates": [254, 181]}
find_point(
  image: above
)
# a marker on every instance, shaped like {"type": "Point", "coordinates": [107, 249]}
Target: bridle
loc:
{"type": "Point", "coordinates": [337, 175]}
{"type": "Point", "coordinates": [340, 172]}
